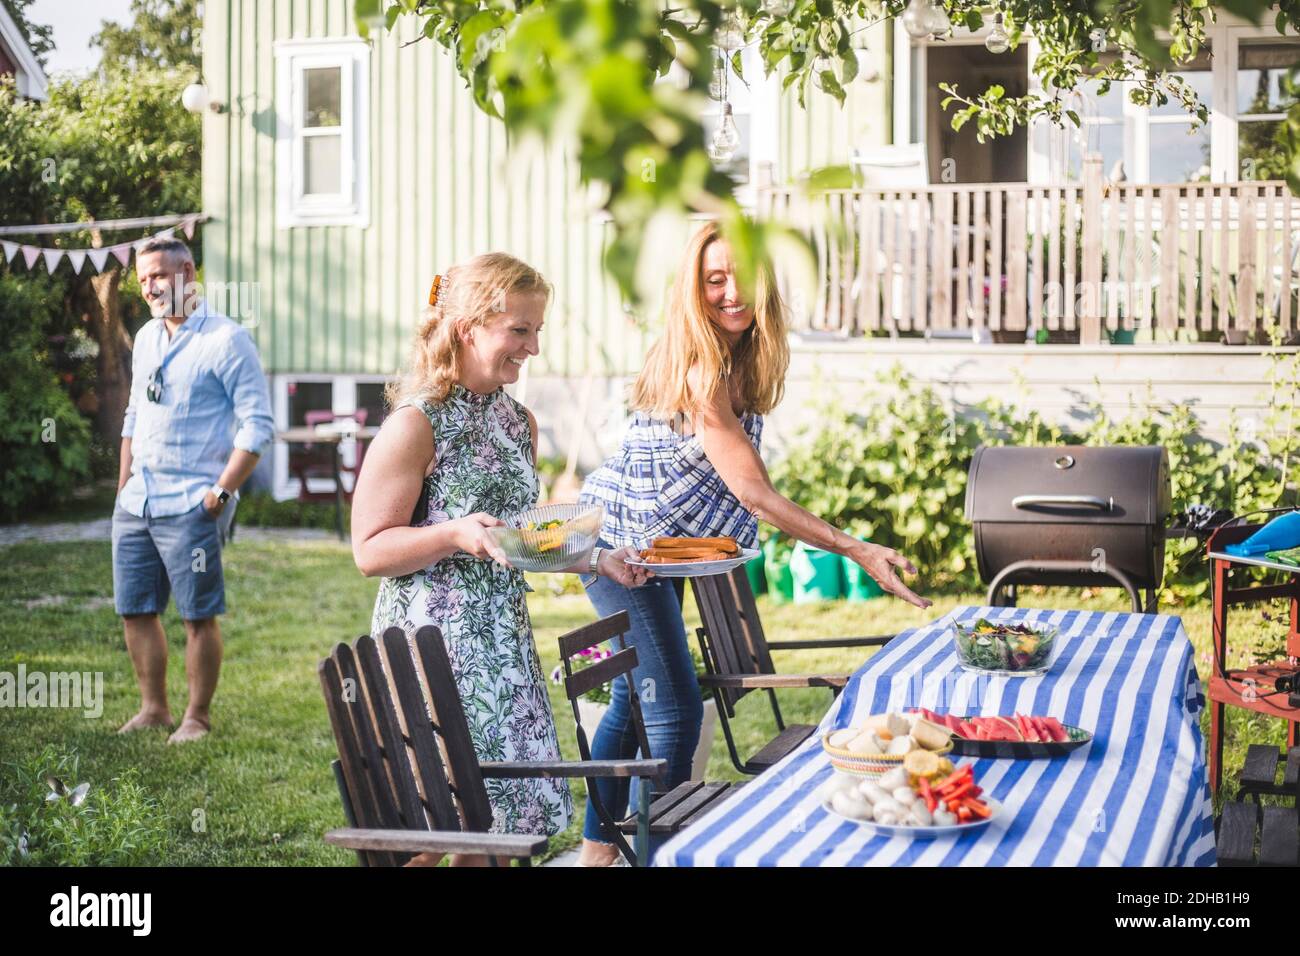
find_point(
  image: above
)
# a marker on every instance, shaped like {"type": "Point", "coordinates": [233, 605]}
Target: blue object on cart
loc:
{"type": "Point", "coordinates": [1278, 535]}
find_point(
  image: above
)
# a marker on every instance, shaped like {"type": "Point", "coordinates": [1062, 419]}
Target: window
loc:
{"type": "Point", "coordinates": [1261, 104]}
{"type": "Point", "coordinates": [1240, 79]}
{"type": "Point", "coordinates": [1176, 150]}
{"type": "Point", "coordinates": [322, 149]}
{"type": "Point", "coordinates": [305, 399]}
{"type": "Point", "coordinates": [370, 398]}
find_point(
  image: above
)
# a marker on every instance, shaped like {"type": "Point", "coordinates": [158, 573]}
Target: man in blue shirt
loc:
{"type": "Point", "coordinates": [197, 420]}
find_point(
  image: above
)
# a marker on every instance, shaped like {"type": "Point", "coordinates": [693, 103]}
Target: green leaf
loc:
{"type": "Point", "coordinates": [830, 177]}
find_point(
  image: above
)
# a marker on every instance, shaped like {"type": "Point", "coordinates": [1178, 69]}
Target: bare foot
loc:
{"type": "Point", "coordinates": [191, 728]}
{"type": "Point", "coordinates": [147, 718]}
{"type": "Point", "coordinates": [598, 854]}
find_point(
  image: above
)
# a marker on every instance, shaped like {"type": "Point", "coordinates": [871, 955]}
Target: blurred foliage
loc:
{"type": "Point", "coordinates": [44, 440]}
{"type": "Point", "coordinates": [162, 33]}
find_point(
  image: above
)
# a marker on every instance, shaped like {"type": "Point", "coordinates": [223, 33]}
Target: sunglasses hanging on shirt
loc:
{"type": "Point", "coordinates": [154, 390]}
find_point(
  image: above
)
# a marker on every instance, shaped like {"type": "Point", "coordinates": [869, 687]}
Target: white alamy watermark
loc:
{"type": "Point", "coordinates": [75, 908]}
{"type": "Point", "coordinates": [83, 690]}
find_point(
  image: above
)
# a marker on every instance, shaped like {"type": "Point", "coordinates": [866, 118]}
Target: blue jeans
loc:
{"type": "Point", "coordinates": [665, 682]}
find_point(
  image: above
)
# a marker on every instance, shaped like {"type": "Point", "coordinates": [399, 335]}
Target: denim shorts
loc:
{"type": "Point", "coordinates": [154, 558]}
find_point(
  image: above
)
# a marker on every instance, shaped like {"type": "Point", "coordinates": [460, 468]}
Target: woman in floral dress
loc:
{"type": "Point", "coordinates": [456, 456]}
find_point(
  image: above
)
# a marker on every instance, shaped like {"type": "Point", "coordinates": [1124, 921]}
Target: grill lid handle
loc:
{"type": "Point", "coordinates": [1065, 501]}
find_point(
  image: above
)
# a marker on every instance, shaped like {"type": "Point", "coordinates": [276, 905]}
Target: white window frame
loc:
{"type": "Point", "coordinates": [343, 401]}
{"type": "Point", "coordinates": [1231, 121]}
{"type": "Point", "coordinates": [351, 207]}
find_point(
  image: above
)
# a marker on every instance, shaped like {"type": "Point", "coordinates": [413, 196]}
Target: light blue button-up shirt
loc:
{"type": "Point", "coordinates": [214, 399]}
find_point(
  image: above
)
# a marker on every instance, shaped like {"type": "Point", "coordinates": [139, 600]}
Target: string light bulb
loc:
{"type": "Point", "coordinates": [936, 18]}
{"type": "Point", "coordinates": [726, 139]}
{"type": "Point", "coordinates": [997, 41]}
{"type": "Point", "coordinates": [916, 19]}
{"type": "Point", "coordinates": [730, 35]}
{"type": "Point", "coordinates": [778, 8]}
{"type": "Point", "coordinates": [718, 78]}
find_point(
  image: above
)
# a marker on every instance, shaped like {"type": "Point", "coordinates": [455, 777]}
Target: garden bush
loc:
{"type": "Point", "coordinates": [44, 440]}
{"type": "Point", "coordinates": [261, 510]}
{"type": "Point", "coordinates": [897, 472]}
{"type": "Point", "coordinates": [117, 824]}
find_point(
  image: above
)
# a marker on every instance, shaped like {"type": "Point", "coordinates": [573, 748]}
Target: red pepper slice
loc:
{"type": "Point", "coordinates": [959, 793]}
{"type": "Point", "coordinates": [978, 809]}
{"type": "Point", "coordinates": [927, 795]}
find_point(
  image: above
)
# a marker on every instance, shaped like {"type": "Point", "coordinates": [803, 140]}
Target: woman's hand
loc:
{"type": "Point", "coordinates": [879, 562]}
{"type": "Point", "coordinates": [613, 564]}
{"type": "Point", "coordinates": [470, 534]}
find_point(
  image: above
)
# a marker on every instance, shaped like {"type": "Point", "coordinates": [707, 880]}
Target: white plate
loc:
{"type": "Point", "coordinates": [698, 569]}
{"type": "Point", "coordinates": [921, 833]}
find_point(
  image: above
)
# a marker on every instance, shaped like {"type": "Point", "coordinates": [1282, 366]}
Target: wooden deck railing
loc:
{"type": "Point", "coordinates": [1190, 260]}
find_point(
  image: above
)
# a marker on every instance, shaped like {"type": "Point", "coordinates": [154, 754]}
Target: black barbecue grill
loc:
{"type": "Point", "coordinates": [1070, 516]}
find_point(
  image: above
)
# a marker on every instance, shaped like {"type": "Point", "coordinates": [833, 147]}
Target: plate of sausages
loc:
{"type": "Point", "coordinates": [693, 557]}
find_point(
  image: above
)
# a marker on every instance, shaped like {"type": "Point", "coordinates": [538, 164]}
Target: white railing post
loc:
{"type": "Point", "coordinates": [1091, 301]}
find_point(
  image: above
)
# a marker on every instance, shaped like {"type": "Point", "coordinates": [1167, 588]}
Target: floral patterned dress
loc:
{"type": "Point", "coordinates": [483, 462]}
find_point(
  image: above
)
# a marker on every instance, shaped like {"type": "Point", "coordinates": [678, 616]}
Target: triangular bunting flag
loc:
{"type": "Point", "coordinates": [97, 258]}
{"type": "Point", "coordinates": [77, 258]}
{"type": "Point", "coordinates": [11, 250]}
{"type": "Point", "coordinates": [166, 234]}
{"type": "Point", "coordinates": [30, 255]}
{"type": "Point", "coordinates": [122, 253]}
{"type": "Point", "coordinates": [187, 226]}
{"type": "Point", "coordinates": [52, 257]}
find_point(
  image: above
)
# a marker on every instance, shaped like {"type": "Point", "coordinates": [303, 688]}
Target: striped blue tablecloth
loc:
{"type": "Point", "coordinates": [1138, 795]}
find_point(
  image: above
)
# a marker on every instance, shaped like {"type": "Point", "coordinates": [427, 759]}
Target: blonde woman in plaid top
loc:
{"type": "Point", "coordinates": [689, 465]}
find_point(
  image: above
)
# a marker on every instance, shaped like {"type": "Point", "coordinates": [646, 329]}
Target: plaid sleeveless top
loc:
{"type": "Point", "coordinates": [661, 483]}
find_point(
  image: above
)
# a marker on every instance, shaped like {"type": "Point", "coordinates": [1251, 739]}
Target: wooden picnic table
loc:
{"type": "Point", "coordinates": [328, 435]}
{"type": "Point", "coordinates": [1137, 795]}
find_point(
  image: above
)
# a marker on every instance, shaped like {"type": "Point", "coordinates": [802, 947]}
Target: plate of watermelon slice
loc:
{"type": "Point", "coordinates": [1016, 736]}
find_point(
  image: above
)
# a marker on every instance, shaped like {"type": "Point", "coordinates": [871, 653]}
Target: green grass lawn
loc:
{"type": "Point", "coordinates": [262, 780]}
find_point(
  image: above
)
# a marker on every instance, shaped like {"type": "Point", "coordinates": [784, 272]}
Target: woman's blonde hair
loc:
{"type": "Point", "coordinates": [467, 295]}
{"type": "Point", "coordinates": [692, 342]}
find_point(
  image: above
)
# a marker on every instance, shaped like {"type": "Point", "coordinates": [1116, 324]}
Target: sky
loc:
{"type": "Point", "coordinates": [74, 22]}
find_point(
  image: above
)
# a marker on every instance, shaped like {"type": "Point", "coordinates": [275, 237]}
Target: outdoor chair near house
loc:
{"type": "Point", "coordinates": [663, 813]}
{"type": "Point", "coordinates": [738, 659]}
{"type": "Point", "coordinates": [320, 459]}
{"type": "Point", "coordinates": [407, 772]}
{"type": "Point", "coordinates": [1249, 833]}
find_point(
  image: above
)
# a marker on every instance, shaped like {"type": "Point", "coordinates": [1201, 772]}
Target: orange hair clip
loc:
{"type": "Point", "coordinates": [433, 291]}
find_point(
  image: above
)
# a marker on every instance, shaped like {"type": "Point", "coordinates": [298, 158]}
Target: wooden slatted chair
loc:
{"type": "Point", "coordinates": [738, 659]}
{"type": "Point", "coordinates": [661, 813]}
{"type": "Point", "coordinates": [1251, 834]}
{"type": "Point", "coordinates": [407, 772]}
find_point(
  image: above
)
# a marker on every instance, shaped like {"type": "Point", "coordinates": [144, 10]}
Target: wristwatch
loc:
{"type": "Point", "coordinates": [595, 560]}
{"type": "Point", "coordinates": [222, 494]}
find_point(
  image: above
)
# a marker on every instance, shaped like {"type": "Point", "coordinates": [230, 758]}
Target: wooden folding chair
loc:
{"type": "Point", "coordinates": [738, 659]}
{"type": "Point", "coordinates": [659, 813]}
{"type": "Point", "coordinates": [407, 772]}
